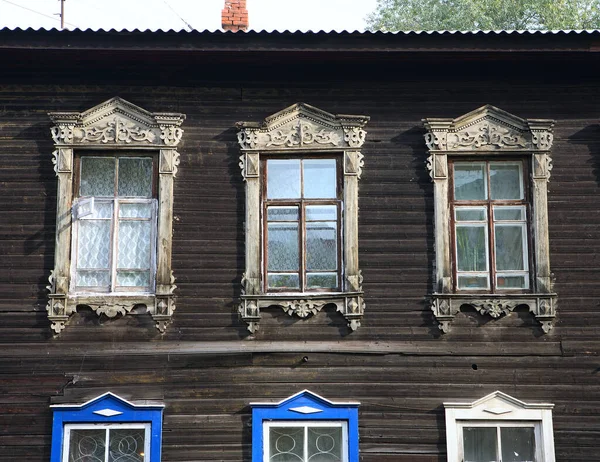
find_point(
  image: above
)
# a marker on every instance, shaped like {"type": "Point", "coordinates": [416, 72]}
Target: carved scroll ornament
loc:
{"type": "Point", "coordinates": [303, 126]}
{"type": "Point", "coordinates": [445, 307]}
{"type": "Point", "coordinates": [118, 122]}
{"type": "Point", "coordinates": [351, 306]}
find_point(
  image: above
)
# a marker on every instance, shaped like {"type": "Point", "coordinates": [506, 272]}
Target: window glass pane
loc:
{"type": "Point", "coordinates": [511, 282]}
{"type": "Point", "coordinates": [134, 244]}
{"type": "Point", "coordinates": [133, 278]}
{"type": "Point", "coordinates": [127, 210]}
{"type": "Point", "coordinates": [321, 280]}
{"type": "Point", "coordinates": [93, 244]}
{"type": "Point", "coordinates": [87, 445]}
{"type": "Point", "coordinates": [321, 212]}
{"type": "Point", "coordinates": [472, 282]}
{"type": "Point", "coordinates": [518, 444]}
{"type": "Point", "coordinates": [92, 278]}
{"type": "Point", "coordinates": [321, 245]}
{"type": "Point", "coordinates": [126, 445]}
{"type": "Point", "coordinates": [135, 176]}
{"type": "Point", "coordinates": [283, 280]}
{"type": "Point", "coordinates": [320, 179]}
{"type": "Point", "coordinates": [324, 444]}
{"type": "Point", "coordinates": [471, 248]}
{"type": "Point", "coordinates": [470, 214]}
{"type": "Point", "coordinates": [509, 213]}
{"type": "Point", "coordinates": [480, 444]}
{"type": "Point", "coordinates": [286, 444]}
{"type": "Point", "coordinates": [283, 179]}
{"type": "Point", "coordinates": [469, 181]}
{"type": "Point", "coordinates": [505, 181]}
{"type": "Point", "coordinates": [282, 213]}
{"type": "Point", "coordinates": [283, 247]}
{"type": "Point", "coordinates": [509, 247]}
{"type": "Point", "coordinates": [97, 176]}
{"type": "Point", "coordinates": [101, 210]}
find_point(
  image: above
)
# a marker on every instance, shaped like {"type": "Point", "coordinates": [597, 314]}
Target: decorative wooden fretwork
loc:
{"type": "Point", "coordinates": [114, 125]}
{"type": "Point", "coordinates": [490, 132]}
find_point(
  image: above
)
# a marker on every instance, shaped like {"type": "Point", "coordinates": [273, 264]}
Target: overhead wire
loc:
{"type": "Point", "coordinates": [36, 12]}
{"type": "Point", "coordinates": [176, 14]}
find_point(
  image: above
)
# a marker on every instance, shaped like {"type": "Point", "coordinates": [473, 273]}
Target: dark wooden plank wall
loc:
{"type": "Point", "coordinates": [206, 368]}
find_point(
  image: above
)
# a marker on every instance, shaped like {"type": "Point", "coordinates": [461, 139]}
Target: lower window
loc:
{"type": "Point", "coordinates": [500, 442]}
{"type": "Point", "coordinates": [107, 443]}
{"type": "Point", "coordinates": [305, 441]}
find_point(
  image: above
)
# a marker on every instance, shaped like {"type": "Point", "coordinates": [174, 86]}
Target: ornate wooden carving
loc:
{"type": "Point", "coordinates": [115, 124]}
{"type": "Point", "coordinates": [491, 131]}
{"type": "Point", "coordinates": [302, 129]}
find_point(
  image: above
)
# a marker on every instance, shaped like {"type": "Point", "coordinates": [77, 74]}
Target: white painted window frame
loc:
{"type": "Point", "coordinates": [106, 426]}
{"type": "Point", "coordinates": [488, 133]}
{"type": "Point", "coordinates": [302, 130]}
{"type": "Point", "coordinates": [499, 409]}
{"type": "Point", "coordinates": [113, 126]}
{"type": "Point", "coordinates": [116, 202]}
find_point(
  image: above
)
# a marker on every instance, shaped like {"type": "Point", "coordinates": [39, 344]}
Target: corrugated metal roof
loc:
{"type": "Point", "coordinates": [298, 32]}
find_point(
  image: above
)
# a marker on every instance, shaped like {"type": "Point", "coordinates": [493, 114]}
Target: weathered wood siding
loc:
{"type": "Point", "coordinates": [206, 368]}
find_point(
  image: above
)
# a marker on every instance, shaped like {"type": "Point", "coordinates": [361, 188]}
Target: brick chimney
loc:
{"type": "Point", "coordinates": [234, 16]}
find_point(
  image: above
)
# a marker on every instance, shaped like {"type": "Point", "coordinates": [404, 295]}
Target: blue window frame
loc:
{"type": "Point", "coordinates": [105, 425]}
{"type": "Point", "coordinates": [303, 426]}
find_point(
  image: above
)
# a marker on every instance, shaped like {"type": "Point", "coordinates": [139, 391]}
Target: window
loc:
{"type": "Point", "coordinates": [114, 238]}
{"type": "Point", "coordinates": [490, 170]}
{"type": "Point", "coordinates": [305, 427]}
{"type": "Point", "coordinates": [305, 441]}
{"type": "Point", "coordinates": [489, 209]}
{"type": "Point", "coordinates": [302, 210]}
{"type": "Point", "coordinates": [115, 164]}
{"type": "Point", "coordinates": [107, 443]}
{"type": "Point", "coordinates": [106, 429]}
{"type": "Point", "coordinates": [497, 441]}
{"type": "Point", "coordinates": [499, 428]}
{"type": "Point", "coordinates": [301, 167]}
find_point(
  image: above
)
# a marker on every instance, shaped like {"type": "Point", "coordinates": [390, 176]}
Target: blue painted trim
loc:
{"type": "Point", "coordinates": [130, 413]}
{"type": "Point", "coordinates": [282, 411]}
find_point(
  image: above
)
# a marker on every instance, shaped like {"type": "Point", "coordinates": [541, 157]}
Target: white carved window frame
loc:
{"type": "Point", "coordinates": [499, 409]}
{"type": "Point", "coordinates": [113, 126]}
{"type": "Point", "coordinates": [300, 130]}
{"type": "Point", "coordinates": [486, 133]}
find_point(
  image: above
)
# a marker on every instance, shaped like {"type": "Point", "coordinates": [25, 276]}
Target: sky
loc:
{"type": "Point", "coordinates": [267, 15]}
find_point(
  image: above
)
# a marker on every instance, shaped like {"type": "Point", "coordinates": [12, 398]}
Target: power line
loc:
{"type": "Point", "coordinates": [36, 12]}
{"type": "Point", "coordinates": [183, 20]}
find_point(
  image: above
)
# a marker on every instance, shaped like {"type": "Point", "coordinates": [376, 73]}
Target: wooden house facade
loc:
{"type": "Point", "coordinates": [388, 330]}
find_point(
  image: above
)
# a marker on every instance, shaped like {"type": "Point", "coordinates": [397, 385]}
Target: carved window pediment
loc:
{"type": "Point", "coordinates": [298, 132]}
{"type": "Point", "coordinates": [492, 135]}
{"type": "Point", "coordinates": [117, 122]}
{"type": "Point", "coordinates": [493, 415]}
{"type": "Point", "coordinates": [117, 128]}
{"type": "Point", "coordinates": [302, 126]}
{"type": "Point", "coordinates": [488, 129]}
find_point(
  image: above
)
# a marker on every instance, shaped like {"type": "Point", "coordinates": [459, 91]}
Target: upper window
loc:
{"type": "Point", "coordinates": [302, 208]}
{"type": "Point", "coordinates": [114, 228]}
{"type": "Point", "coordinates": [499, 428]}
{"type": "Point", "coordinates": [490, 170]}
{"type": "Point", "coordinates": [301, 168]}
{"type": "Point", "coordinates": [106, 429]}
{"type": "Point", "coordinates": [106, 443]}
{"type": "Point", "coordinates": [305, 427]}
{"type": "Point", "coordinates": [490, 232]}
{"type": "Point", "coordinates": [115, 165]}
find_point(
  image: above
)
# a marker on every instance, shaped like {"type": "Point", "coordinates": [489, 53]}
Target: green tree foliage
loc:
{"type": "Point", "coordinates": [405, 15]}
